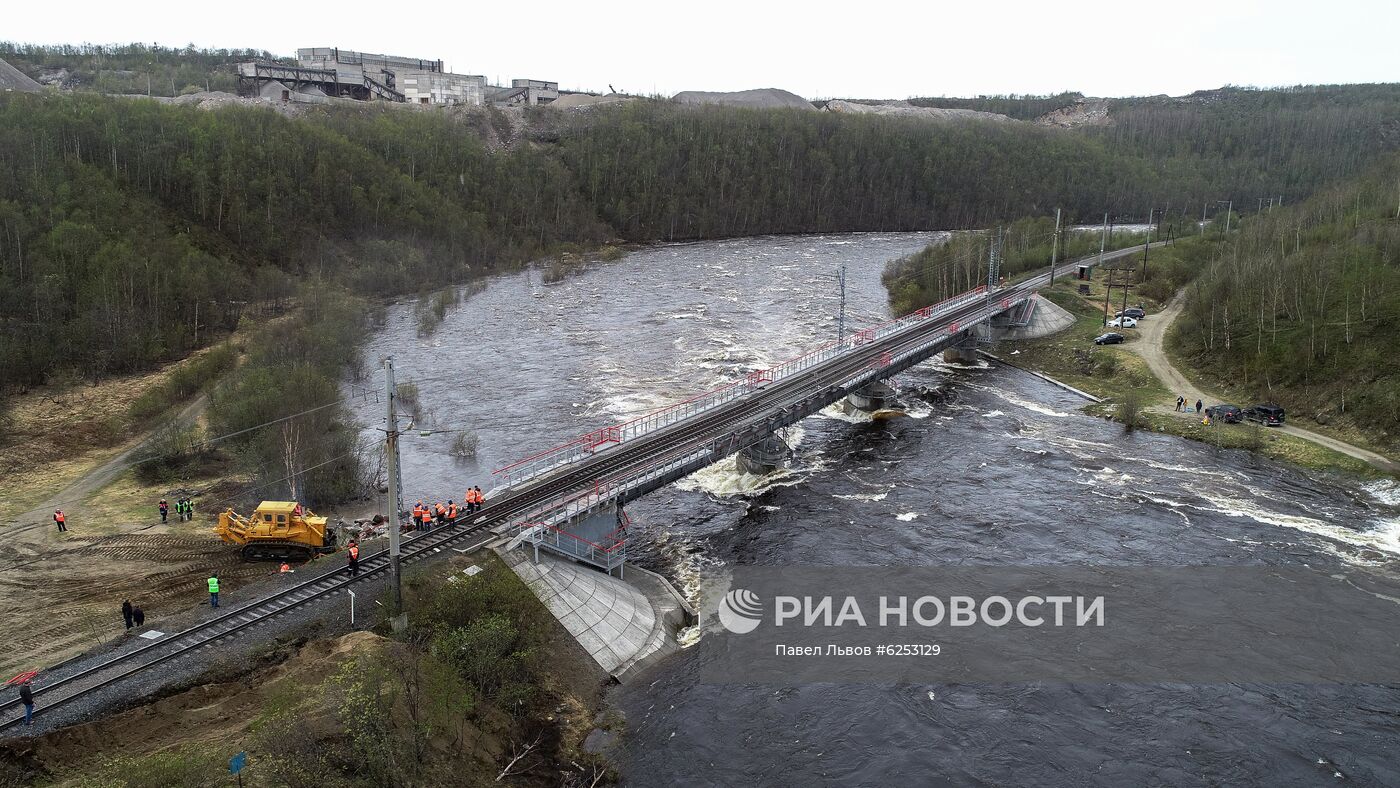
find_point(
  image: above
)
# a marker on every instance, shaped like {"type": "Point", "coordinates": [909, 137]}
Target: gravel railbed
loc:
{"type": "Point", "coordinates": [328, 616]}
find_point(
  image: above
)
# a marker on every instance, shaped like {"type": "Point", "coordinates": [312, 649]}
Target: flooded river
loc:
{"type": "Point", "coordinates": [1004, 470]}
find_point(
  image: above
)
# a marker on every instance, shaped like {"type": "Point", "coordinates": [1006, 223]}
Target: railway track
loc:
{"type": "Point", "coordinates": [638, 453]}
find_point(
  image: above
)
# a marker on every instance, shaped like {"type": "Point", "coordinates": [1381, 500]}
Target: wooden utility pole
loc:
{"type": "Point", "coordinates": [1126, 284]}
{"type": "Point", "coordinates": [1055, 247]}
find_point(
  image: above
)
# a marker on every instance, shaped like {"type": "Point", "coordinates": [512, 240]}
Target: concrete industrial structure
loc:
{"type": "Point", "coordinates": [324, 73]}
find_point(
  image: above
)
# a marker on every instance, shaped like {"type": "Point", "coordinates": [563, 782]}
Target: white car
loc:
{"type": "Point", "coordinates": [1123, 322]}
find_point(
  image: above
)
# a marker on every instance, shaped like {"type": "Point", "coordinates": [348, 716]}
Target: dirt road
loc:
{"type": "Point", "coordinates": [1153, 331]}
{"type": "Point", "coordinates": [62, 592]}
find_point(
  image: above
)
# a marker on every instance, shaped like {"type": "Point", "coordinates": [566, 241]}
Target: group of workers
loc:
{"type": "Point", "coordinates": [184, 509]}
{"type": "Point", "coordinates": [423, 516]}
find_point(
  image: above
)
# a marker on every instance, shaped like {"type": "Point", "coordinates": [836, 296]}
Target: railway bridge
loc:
{"type": "Point", "coordinates": [570, 499]}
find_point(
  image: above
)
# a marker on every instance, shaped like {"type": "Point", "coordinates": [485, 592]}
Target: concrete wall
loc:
{"type": "Point", "coordinates": [308, 94]}
{"type": "Point", "coordinates": [440, 88]}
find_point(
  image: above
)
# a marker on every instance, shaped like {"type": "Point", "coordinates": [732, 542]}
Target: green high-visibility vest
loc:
{"type": "Point", "coordinates": [213, 585]}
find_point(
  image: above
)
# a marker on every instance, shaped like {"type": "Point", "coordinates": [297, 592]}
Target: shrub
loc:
{"type": "Point", "coordinates": [1130, 409]}
{"type": "Point", "coordinates": [184, 381]}
{"type": "Point", "coordinates": [464, 445]}
{"type": "Point", "coordinates": [407, 394]}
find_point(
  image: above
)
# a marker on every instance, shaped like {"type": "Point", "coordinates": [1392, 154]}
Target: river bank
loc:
{"type": "Point", "coordinates": [1126, 373]}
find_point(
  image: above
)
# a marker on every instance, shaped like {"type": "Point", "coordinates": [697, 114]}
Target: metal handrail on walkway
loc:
{"type": "Point", "coordinates": [588, 444]}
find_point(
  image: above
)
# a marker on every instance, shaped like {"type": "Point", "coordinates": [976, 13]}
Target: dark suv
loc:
{"type": "Point", "coordinates": [1135, 312]}
{"type": "Point", "coordinates": [1230, 414]}
{"type": "Point", "coordinates": [1268, 415]}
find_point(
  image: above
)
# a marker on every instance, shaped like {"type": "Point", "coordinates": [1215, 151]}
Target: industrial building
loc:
{"type": "Point", "coordinates": [322, 73]}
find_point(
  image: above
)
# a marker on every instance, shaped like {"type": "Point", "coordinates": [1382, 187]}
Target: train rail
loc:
{"type": "Point", "coordinates": [683, 436]}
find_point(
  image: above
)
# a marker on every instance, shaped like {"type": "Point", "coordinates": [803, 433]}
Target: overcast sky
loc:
{"type": "Point", "coordinates": [873, 49]}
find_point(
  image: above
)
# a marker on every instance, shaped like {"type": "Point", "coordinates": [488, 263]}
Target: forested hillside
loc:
{"type": "Point", "coordinates": [120, 218]}
{"type": "Point", "coordinates": [1304, 309]}
{"type": "Point", "coordinates": [131, 68]}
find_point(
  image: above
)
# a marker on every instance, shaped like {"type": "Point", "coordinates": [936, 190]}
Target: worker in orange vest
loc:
{"type": "Point", "coordinates": [441, 512]}
{"type": "Point", "coordinates": [286, 567]}
{"type": "Point", "coordinates": [480, 497]}
{"type": "Point", "coordinates": [60, 519]}
{"type": "Point", "coordinates": [451, 510]}
{"type": "Point", "coordinates": [426, 518]}
{"type": "Point", "coordinates": [354, 553]}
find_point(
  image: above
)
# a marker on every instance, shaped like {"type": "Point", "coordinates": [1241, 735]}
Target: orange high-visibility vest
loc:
{"type": "Point", "coordinates": [452, 511]}
{"type": "Point", "coordinates": [417, 511]}
{"type": "Point", "coordinates": [427, 516]}
{"type": "Point", "coordinates": [441, 509]}
{"type": "Point", "coordinates": [354, 552]}
{"type": "Point", "coordinates": [58, 517]}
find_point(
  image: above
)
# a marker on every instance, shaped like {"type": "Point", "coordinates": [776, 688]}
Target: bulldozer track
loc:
{"type": "Point", "coordinates": [63, 689]}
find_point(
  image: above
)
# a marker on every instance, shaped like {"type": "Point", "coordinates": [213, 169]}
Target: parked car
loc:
{"type": "Point", "coordinates": [1269, 415]}
{"type": "Point", "coordinates": [1135, 312]}
{"type": "Point", "coordinates": [1110, 338]}
{"type": "Point", "coordinates": [1123, 322]}
{"type": "Point", "coordinates": [1230, 414]}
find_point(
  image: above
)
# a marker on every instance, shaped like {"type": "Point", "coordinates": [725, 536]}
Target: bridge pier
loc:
{"type": "Point", "coordinates": [965, 352]}
{"type": "Point", "coordinates": [876, 395]}
{"type": "Point", "coordinates": [763, 457]}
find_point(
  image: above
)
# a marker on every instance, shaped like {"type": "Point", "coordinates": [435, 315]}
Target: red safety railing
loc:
{"type": "Point", "coordinates": [587, 444]}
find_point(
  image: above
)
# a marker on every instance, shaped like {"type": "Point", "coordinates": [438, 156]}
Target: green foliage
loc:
{"type": "Point", "coordinates": [1130, 409]}
{"type": "Point", "coordinates": [487, 627]}
{"type": "Point", "coordinates": [949, 267]}
{"type": "Point", "coordinates": [122, 221]}
{"type": "Point", "coordinates": [192, 766]}
{"type": "Point", "coordinates": [170, 452]}
{"type": "Point", "coordinates": [1021, 107]}
{"type": "Point", "coordinates": [432, 309]}
{"type": "Point", "coordinates": [1302, 307]}
{"type": "Point", "coordinates": [184, 381]}
{"type": "Point", "coordinates": [134, 68]}
{"type": "Point", "coordinates": [294, 366]}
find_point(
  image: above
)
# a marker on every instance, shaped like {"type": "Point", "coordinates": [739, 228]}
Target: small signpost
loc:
{"type": "Point", "coordinates": [236, 764]}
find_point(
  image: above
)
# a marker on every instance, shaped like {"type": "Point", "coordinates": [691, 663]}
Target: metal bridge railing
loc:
{"type": "Point", "coordinates": [588, 444]}
{"type": "Point", "coordinates": [609, 554]}
{"type": "Point", "coordinates": [558, 513]}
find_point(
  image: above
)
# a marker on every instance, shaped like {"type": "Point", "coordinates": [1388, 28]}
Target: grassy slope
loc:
{"type": "Point", "coordinates": [1112, 371]}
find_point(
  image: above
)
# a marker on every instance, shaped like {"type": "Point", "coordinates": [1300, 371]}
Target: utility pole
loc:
{"type": "Point", "coordinates": [1126, 285]}
{"type": "Point", "coordinates": [1203, 219]}
{"type": "Point", "coordinates": [1103, 241]}
{"type": "Point", "coordinates": [395, 505]}
{"type": "Point", "coordinates": [1107, 290]}
{"type": "Point", "coordinates": [1147, 243]}
{"type": "Point", "coordinates": [994, 264]}
{"type": "Point", "coordinates": [841, 316]}
{"type": "Point", "coordinates": [1055, 247]}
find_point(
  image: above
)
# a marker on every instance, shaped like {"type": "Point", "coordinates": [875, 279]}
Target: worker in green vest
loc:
{"type": "Point", "coordinates": [213, 590]}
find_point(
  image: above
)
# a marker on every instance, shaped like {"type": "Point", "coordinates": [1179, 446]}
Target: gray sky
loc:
{"type": "Point", "coordinates": [818, 49]}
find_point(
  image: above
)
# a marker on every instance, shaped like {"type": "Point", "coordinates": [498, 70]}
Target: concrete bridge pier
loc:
{"type": "Point", "coordinates": [964, 352]}
{"type": "Point", "coordinates": [763, 457]}
{"type": "Point", "coordinates": [876, 395]}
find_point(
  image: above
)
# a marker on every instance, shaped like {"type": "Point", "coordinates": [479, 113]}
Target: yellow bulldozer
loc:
{"type": "Point", "coordinates": [277, 531]}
